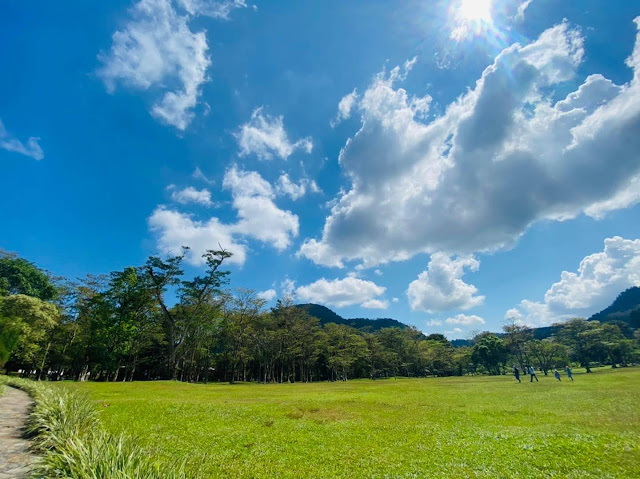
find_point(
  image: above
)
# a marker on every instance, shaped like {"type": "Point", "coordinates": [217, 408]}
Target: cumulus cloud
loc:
{"type": "Point", "coordinates": [441, 288]}
{"type": "Point", "coordinates": [31, 149]}
{"type": "Point", "coordinates": [156, 48]}
{"type": "Point", "coordinates": [504, 155]}
{"type": "Point", "coordinates": [464, 320]}
{"type": "Point", "coordinates": [192, 195]}
{"type": "Point", "coordinates": [258, 217]}
{"type": "Point", "coordinates": [342, 292]}
{"type": "Point", "coordinates": [268, 295]}
{"type": "Point", "coordinates": [174, 230]}
{"type": "Point", "coordinates": [599, 279]}
{"type": "Point", "coordinates": [375, 304]}
{"type": "Point", "coordinates": [345, 106]}
{"type": "Point", "coordinates": [295, 190]}
{"type": "Point", "coordinates": [265, 136]}
{"type": "Point", "coordinates": [434, 322]}
{"type": "Point", "coordinates": [213, 9]}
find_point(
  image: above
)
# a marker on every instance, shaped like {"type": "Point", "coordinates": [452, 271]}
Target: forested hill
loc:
{"type": "Point", "coordinates": [625, 308]}
{"type": "Point", "coordinates": [325, 315]}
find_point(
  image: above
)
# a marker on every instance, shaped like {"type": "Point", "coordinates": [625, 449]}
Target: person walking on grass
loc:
{"type": "Point", "coordinates": [569, 372]}
{"type": "Point", "coordinates": [516, 373]}
{"type": "Point", "coordinates": [557, 374]}
{"type": "Point", "coordinates": [532, 373]}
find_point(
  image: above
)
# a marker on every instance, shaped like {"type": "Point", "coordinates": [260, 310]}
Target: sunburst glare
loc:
{"type": "Point", "coordinates": [475, 10]}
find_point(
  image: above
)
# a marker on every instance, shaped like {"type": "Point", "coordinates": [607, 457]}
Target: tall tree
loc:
{"type": "Point", "coordinates": [19, 276]}
{"type": "Point", "coordinates": [192, 295]}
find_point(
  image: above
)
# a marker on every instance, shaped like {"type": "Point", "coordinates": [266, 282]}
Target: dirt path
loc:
{"type": "Point", "coordinates": [16, 461]}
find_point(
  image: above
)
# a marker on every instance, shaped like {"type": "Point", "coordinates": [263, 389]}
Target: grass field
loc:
{"type": "Point", "coordinates": [441, 427]}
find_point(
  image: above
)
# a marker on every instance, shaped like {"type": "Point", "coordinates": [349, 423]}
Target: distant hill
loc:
{"type": "Point", "coordinates": [626, 307]}
{"type": "Point", "coordinates": [325, 315]}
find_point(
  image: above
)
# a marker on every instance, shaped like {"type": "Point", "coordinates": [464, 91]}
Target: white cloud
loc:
{"type": "Point", "coordinates": [464, 320]}
{"type": "Point", "coordinates": [434, 322]}
{"type": "Point", "coordinates": [192, 195]}
{"type": "Point", "coordinates": [288, 287]}
{"type": "Point", "coordinates": [394, 300]}
{"type": "Point", "coordinates": [521, 9]}
{"type": "Point", "coordinates": [199, 175]}
{"type": "Point", "coordinates": [268, 295]}
{"type": "Point", "coordinates": [378, 272]}
{"type": "Point", "coordinates": [441, 287]}
{"type": "Point", "coordinates": [31, 149]}
{"type": "Point", "coordinates": [375, 304]}
{"type": "Point", "coordinates": [258, 218]}
{"type": "Point", "coordinates": [502, 157]}
{"type": "Point", "coordinates": [600, 278]}
{"type": "Point", "coordinates": [265, 136]}
{"type": "Point", "coordinates": [456, 332]}
{"type": "Point", "coordinates": [213, 9]}
{"type": "Point", "coordinates": [295, 190]}
{"type": "Point", "coordinates": [157, 48]}
{"type": "Point", "coordinates": [175, 229]}
{"type": "Point", "coordinates": [340, 292]}
{"type": "Point", "coordinates": [345, 106]}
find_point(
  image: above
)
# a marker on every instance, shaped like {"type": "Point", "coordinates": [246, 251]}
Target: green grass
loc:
{"type": "Point", "coordinates": [64, 429]}
{"type": "Point", "coordinates": [454, 427]}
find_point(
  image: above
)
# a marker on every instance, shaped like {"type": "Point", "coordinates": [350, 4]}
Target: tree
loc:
{"type": "Point", "coordinates": [516, 339]}
{"type": "Point", "coordinates": [490, 352]}
{"type": "Point", "coordinates": [582, 338]}
{"type": "Point", "coordinates": [182, 320]}
{"type": "Point", "coordinates": [548, 353]}
{"type": "Point", "coordinates": [19, 276]}
{"type": "Point", "coordinates": [26, 324]}
{"type": "Point", "coordinates": [241, 313]}
{"type": "Point", "coordinates": [345, 348]}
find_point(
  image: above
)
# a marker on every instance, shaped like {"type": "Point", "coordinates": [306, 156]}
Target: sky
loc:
{"type": "Point", "coordinates": [451, 164]}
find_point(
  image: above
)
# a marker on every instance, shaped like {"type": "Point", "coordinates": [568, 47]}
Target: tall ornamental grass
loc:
{"type": "Point", "coordinates": [65, 430]}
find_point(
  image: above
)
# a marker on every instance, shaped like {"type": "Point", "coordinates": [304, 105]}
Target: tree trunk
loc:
{"type": "Point", "coordinates": [44, 358]}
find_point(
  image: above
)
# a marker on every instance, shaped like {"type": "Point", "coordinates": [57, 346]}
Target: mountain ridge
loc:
{"type": "Point", "coordinates": [626, 308]}
{"type": "Point", "coordinates": [326, 315]}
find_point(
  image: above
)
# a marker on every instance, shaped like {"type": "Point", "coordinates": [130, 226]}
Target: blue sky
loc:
{"type": "Point", "coordinates": [444, 163]}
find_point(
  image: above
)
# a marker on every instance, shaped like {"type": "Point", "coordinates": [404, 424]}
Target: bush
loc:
{"type": "Point", "coordinates": [66, 431]}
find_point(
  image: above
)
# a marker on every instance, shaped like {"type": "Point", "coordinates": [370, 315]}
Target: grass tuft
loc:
{"type": "Point", "coordinates": [65, 429]}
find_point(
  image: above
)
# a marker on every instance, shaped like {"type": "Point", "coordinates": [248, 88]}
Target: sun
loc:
{"type": "Point", "coordinates": [475, 10]}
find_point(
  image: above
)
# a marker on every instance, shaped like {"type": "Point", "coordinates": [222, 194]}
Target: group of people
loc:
{"type": "Point", "coordinates": [532, 372]}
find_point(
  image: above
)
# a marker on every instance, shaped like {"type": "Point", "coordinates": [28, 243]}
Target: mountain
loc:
{"type": "Point", "coordinates": [626, 307]}
{"type": "Point", "coordinates": [325, 315]}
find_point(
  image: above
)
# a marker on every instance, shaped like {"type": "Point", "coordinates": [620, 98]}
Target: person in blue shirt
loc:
{"type": "Point", "coordinates": [557, 374]}
{"type": "Point", "coordinates": [516, 373]}
{"type": "Point", "coordinates": [569, 372]}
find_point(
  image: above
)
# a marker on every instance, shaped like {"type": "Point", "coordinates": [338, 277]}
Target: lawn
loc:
{"type": "Point", "coordinates": [442, 427]}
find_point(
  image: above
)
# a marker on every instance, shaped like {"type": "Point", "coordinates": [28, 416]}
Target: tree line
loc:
{"type": "Point", "coordinates": [153, 322]}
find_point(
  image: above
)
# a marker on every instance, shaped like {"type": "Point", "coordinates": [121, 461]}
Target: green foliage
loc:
{"type": "Point", "coordinates": [19, 276]}
{"type": "Point", "coordinates": [481, 426]}
{"type": "Point", "coordinates": [490, 352]}
{"type": "Point", "coordinates": [152, 322]}
{"type": "Point", "coordinates": [26, 324]}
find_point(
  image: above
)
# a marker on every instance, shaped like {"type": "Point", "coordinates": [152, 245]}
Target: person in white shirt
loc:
{"type": "Point", "coordinates": [532, 373]}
